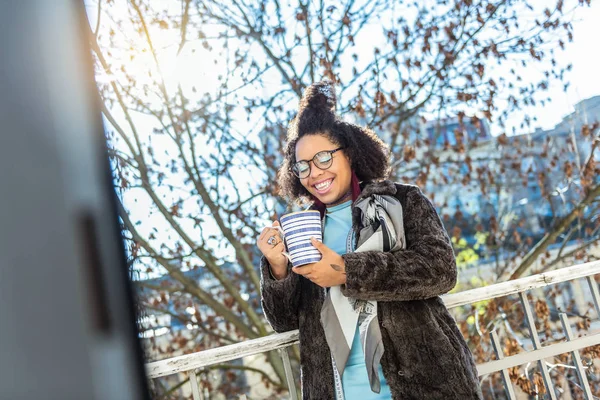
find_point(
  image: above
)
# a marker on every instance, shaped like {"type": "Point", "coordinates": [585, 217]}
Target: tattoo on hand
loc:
{"type": "Point", "coordinates": [338, 268]}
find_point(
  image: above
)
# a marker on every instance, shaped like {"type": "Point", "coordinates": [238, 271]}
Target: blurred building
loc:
{"type": "Point", "coordinates": [521, 167]}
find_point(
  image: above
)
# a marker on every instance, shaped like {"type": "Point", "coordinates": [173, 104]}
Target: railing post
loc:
{"type": "Point", "coordinates": [195, 389]}
{"type": "Point", "coordinates": [595, 294]}
{"type": "Point", "coordinates": [500, 354]}
{"type": "Point", "coordinates": [576, 358]}
{"type": "Point", "coordinates": [288, 373]}
{"type": "Point", "coordinates": [537, 344]}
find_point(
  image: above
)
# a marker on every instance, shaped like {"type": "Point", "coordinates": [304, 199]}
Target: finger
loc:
{"type": "Point", "coordinates": [278, 239]}
{"type": "Point", "coordinates": [276, 249]}
{"type": "Point", "coordinates": [263, 233]}
{"type": "Point", "coordinates": [304, 270]}
{"type": "Point", "coordinates": [268, 233]}
{"type": "Point", "coordinates": [271, 250]}
{"type": "Point", "coordinates": [277, 228]}
{"type": "Point", "coordinates": [318, 245]}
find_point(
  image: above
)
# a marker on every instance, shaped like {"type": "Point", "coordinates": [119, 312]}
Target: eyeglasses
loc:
{"type": "Point", "coordinates": [321, 160]}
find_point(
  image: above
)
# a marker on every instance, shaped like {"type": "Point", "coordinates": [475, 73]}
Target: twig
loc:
{"type": "Point", "coordinates": [97, 30]}
{"type": "Point", "coordinates": [184, 23]}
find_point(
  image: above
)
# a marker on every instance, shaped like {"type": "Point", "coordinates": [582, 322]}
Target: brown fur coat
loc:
{"type": "Point", "coordinates": [425, 355]}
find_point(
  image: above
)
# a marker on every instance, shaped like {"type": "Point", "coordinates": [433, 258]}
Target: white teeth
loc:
{"type": "Point", "coordinates": [323, 185]}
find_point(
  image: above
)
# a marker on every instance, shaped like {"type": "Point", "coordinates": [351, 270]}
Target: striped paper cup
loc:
{"type": "Point", "coordinates": [298, 228]}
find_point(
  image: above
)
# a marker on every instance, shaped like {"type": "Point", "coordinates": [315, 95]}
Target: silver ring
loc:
{"type": "Point", "coordinates": [272, 240]}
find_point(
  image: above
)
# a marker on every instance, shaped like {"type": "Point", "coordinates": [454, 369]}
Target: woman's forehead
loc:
{"type": "Point", "coordinates": [308, 146]}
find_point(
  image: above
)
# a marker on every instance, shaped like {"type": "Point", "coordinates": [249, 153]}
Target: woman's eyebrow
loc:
{"type": "Point", "coordinates": [298, 160]}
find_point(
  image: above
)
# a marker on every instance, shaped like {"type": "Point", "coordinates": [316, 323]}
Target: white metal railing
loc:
{"type": "Point", "coordinates": [190, 362]}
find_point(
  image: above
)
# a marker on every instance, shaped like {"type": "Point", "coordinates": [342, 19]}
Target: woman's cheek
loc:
{"type": "Point", "coordinates": [307, 187]}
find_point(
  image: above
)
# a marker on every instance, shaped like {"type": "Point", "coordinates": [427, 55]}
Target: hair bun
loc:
{"type": "Point", "coordinates": [319, 96]}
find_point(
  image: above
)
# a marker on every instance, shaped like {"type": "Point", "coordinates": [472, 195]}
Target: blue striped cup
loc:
{"type": "Point", "coordinates": [297, 229]}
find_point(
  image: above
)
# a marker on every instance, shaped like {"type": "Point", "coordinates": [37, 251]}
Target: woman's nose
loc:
{"type": "Point", "coordinates": [315, 172]}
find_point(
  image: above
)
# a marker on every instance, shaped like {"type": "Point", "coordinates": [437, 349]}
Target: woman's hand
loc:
{"type": "Point", "coordinates": [273, 252]}
{"type": "Point", "coordinates": [329, 271]}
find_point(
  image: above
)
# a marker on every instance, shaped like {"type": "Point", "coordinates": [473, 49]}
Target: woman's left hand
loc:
{"type": "Point", "coordinates": [329, 271]}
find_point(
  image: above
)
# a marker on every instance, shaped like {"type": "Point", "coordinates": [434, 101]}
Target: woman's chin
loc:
{"type": "Point", "coordinates": [326, 198]}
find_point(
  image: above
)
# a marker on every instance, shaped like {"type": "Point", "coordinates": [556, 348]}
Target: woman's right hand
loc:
{"type": "Point", "coordinates": [273, 252]}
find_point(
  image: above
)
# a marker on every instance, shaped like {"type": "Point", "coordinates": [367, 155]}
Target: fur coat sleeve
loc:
{"type": "Point", "coordinates": [280, 298]}
{"type": "Point", "coordinates": [425, 269]}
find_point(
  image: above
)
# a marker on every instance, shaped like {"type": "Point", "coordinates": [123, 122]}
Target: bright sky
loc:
{"type": "Point", "coordinates": [584, 78]}
{"type": "Point", "coordinates": [196, 67]}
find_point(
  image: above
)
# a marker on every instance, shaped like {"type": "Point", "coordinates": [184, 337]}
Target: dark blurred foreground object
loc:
{"type": "Point", "coordinates": [67, 328]}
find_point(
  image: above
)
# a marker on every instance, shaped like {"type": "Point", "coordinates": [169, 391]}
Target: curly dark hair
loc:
{"type": "Point", "coordinates": [368, 155]}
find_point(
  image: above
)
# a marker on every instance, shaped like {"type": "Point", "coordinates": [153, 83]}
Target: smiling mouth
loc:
{"type": "Point", "coordinates": [323, 186]}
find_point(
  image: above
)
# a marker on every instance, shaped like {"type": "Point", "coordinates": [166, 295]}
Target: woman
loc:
{"type": "Point", "coordinates": [372, 324]}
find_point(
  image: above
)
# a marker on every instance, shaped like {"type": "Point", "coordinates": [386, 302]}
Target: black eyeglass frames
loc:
{"type": "Point", "coordinates": [321, 160]}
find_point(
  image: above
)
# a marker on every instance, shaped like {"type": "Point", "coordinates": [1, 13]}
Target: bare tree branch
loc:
{"type": "Point", "coordinates": [551, 236]}
{"type": "Point", "coordinates": [98, 17]}
{"type": "Point", "coordinates": [184, 24]}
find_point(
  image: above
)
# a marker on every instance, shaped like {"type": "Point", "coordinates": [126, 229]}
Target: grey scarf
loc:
{"type": "Point", "coordinates": [383, 231]}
